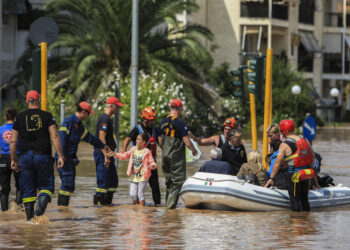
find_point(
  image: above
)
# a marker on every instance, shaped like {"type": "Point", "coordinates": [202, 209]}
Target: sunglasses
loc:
{"type": "Point", "coordinates": [269, 136]}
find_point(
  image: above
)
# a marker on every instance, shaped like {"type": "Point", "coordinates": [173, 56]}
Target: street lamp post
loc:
{"type": "Point", "coordinates": [296, 91]}
{"type": "Point", "coordinates": [334, 92]}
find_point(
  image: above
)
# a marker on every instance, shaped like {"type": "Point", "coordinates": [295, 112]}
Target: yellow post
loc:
{"type": "Point", "coordinates": [268, 101]}
{"type": "Point", "coordinates": [43, 46]}
{"type": "Point", "coordinates": [253, 116]}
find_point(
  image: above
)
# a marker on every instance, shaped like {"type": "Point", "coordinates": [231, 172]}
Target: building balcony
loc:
{"type": "Point", "coordinates": [332, 19]}
{"type": "Point", "coordinates": [334, 66]}
{"type": "Point", "coordinates": [306, 16]}
{"type": "Point", "coordinates": [261, 10]}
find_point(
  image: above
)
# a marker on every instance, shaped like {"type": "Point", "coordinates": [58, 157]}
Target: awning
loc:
{"type": "Point", "coordinates": [309, 41]}
{"type": "Point", "coordinates": [332, 43]}
{"type": "Point", "coordinates": [347, 40]}
{"type": "Point", "coordinates": [15, 7]}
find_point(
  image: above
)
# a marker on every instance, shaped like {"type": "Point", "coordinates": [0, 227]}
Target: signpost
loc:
{"type": "Point", "coordinates": [43, 32]}
{"type": "Point", "coordinates": [309, 128]}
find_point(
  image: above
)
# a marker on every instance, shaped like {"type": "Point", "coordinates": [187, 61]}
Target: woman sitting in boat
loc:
{"type": "Point", "coordinates": [253, 171]}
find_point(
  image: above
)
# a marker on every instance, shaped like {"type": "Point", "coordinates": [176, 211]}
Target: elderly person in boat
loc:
{"type": "Point", "coordinates": [253, 171]}
{"type": "Point", "coordinates": [216, 165]}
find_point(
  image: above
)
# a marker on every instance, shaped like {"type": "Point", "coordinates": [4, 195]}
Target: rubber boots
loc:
{"type": "Point", "coordinates": [4, 199]}
{"type": "Point", "coordinates": [95, 199]}
{"type": "Point", "coordinates": [63, 200]}
{"type": "Point", "coordinates": [29, 208]}
{"type": "Point", "coordinates": [18, 197]}
{"type": "Point", "coordinates": [41, 205]}
{"type": "Point", "coordinates": [109, 198]}
{"type": "Point", "coordinates": [99, 199]}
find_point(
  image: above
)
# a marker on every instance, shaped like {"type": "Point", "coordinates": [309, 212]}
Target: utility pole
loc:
{"type": "Point", "coordinates": [0, 56]}
{"type": "Point", "coordinates": [268, 84]}
{"type": "Point", "coordinates": [134, 62]}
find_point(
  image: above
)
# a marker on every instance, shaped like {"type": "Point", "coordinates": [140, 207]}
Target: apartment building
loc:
{"type": "Point", "coordinates": [313, 34]}
{"type": "Point", "coordinates": [14, 31]}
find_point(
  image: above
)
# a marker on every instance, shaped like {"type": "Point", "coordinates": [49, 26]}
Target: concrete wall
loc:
{"type": "Point", "coordinates": [220, 16]}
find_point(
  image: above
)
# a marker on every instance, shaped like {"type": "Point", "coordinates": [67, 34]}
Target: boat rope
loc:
{"type": "Point", "coordinates": [213, 180]}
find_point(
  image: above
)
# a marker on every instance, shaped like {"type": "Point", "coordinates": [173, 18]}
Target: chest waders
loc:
{"type": "Point", "coordinates": [174, 168]}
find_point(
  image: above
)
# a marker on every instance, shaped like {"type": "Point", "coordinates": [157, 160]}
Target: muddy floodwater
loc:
{"type": "Point", "coordinates": [84, 226]}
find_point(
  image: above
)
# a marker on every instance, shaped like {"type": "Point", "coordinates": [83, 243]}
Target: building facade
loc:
{"type": "Point", "coordinates": [14, 31]}
{"type": "Point", "coordinates": [313, 34]}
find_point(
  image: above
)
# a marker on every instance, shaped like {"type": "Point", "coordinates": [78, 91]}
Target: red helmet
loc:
{"type": "Point", "coordinates": [286, 126]}
{"type": "Point", "coordinates": [148, 113]}
{"type": "Point", "coordinates": [231, 122]}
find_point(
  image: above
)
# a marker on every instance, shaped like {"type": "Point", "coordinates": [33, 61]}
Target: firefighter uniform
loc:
{"type": "Point", "coordinates": [71, 133]}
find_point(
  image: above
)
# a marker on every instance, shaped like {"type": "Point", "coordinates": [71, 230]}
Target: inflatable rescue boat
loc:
{"type": "Point", "coordinates": [226, 192]}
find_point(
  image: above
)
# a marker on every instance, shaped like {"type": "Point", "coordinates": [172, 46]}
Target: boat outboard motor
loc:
{"type": "Point", "coordinates": [325, 180]}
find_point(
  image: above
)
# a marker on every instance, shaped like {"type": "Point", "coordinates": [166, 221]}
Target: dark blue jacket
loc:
{"type": "Point", "coordinates": [216, 166]}
{"type": "Point", "coordinates": [72, 132]}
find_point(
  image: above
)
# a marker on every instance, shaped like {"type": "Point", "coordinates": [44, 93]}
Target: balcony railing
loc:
{"type": "Point", "coordinates": [306, 16]}
{"type": "Point", "coordinates": [334, 66]}
{"type": "Point", "coordinates": [332, 19]}
{"type": "Point", "coordinates": [305, 63]}
{"type": "Point", "coordinates": [256, 9]}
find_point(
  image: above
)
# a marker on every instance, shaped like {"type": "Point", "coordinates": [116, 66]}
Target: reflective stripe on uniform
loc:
{"type": "Point", "coordinates": [46, 192]}
{"type": "Point", "coordinates": [290, 157]}
{"type": "Point", "coordinates": [65, 129]}
{"type": "Point", "coordinates": [112, 189]}
{"type": "Point", "coordinates": [101, 190]}
{"type": "Point", "coordinates": [65, 193]}
{"type": "Point", "coordinates": [84, 134]}
{"type": "Point", "coordinates": [29, 199]}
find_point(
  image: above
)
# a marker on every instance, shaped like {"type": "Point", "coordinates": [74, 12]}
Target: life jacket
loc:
{"type": "Point", "coordinates": [273, 159]}
{"type": "Point", "coordinates": [152, 140]}
{"type": "Point", "coordinates": [302, 155]}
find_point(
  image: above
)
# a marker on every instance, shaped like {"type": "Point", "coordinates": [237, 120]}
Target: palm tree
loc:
{"type": "Point", "coordinates": [96, 36]}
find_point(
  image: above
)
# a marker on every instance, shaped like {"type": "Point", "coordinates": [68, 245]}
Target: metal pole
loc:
{"type": "Point", "coordinates": [43, 46]}
{"type": "Point", "coordinates": [63, 110]}
{"type": "Point", "coordinates": [134, 62]}
{"type": "Point", "coordinates": [343, 42]}
{"type": "Point", "coordinates": [1, 57]}
{"type": "Point", "coordinates": [116, 119]}
{"type": "Point", "coordinates": [268, 100]}
{"type": "Point", "coordinates": [269, 28]}
{"type": "Point", "coordinates": [253, 115]}
{"type": "Point", "coordinates": [268, 86]}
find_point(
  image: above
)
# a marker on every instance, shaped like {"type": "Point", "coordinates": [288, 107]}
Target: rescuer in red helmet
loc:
{"type": "Point", "coordinates": [295, 157]}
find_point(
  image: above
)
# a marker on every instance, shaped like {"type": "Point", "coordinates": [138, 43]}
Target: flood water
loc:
{"type": "Point", "coordinates": [84, 226]}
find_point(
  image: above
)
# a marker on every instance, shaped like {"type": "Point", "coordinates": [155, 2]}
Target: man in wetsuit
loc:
{"type": "Point", "coordinates": [216, 140]}
{"type": "Point", "coordinates": [174, 138]}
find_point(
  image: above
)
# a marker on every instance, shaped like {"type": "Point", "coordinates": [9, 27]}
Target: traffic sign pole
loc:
{"type": "Point", "coordinates": [268, 102]}
{"type": "Point", "coordinates": [253, 115]}
{"type": "Point", "coordinates": [43, 47]}
{"type": "Point", "coordinates": [309, 128]}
